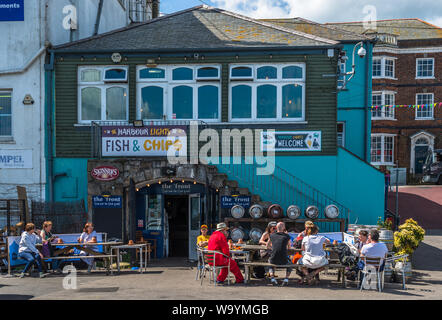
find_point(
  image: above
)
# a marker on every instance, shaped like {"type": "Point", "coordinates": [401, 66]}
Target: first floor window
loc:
{"type": "Point", "coordinates": [5, 114]}
{"type": "Point", "coordinates": [425, 68]}
{"type": "Point", "coordinates": [383, 105]}
{"type": "Point", "coordinates": [152, 101]}
{"type": "Point", "coordinates": [266, 101]}
{"type": "Point", "coordinates": [383, 67]}
{"type": "Point", "coordinates": [208, 97]}
{"type": "Point", "coordinates": [382, 148]}
{"type": "Point", "coordinates": [424, 109]}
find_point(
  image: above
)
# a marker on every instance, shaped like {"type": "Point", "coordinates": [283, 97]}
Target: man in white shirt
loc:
{"type": "Point", "coordinates": [373, 249]}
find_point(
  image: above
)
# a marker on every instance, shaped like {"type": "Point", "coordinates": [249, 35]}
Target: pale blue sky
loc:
{"type": "Point", "coordinates": [321, 10]}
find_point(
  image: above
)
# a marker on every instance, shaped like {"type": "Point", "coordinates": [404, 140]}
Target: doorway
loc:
{"type": "Point", "coordinates": [177, 208]}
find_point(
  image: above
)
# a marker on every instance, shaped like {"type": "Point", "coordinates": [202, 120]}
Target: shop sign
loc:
{"type": "Point", "coordinates": [176, 188]}
{"type": "Point", "coordinates": [105, 173]}
{"type": "Point", "coordinates": [291, 141]}
{"type": "Point", "coordinates": [151, 141]}
{"type": "Point", "coordinates": [12, 10]}
{"type": "Point", "coordinates": [114, 202]}
{"type": "Point", "coordinates": [15, 159]}
{"type": "Point", "coordinates": [228, 202]}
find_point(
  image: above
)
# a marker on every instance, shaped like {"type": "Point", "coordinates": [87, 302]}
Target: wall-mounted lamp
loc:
{"type": "Point", "coordinates": [138, 123]}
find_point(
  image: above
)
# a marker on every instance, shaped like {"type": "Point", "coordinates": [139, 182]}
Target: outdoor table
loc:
{"type": "Point", "coordinates": [138, 246]}
{"type": "Point", "coordinates": [240, 255]}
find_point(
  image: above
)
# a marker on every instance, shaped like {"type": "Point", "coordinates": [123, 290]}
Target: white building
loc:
{"type": "Point", "coordinates": [28, 28]}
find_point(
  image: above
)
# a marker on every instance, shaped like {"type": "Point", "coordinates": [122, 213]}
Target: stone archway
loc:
{"type": "Point", "coordinates": [420, 143]}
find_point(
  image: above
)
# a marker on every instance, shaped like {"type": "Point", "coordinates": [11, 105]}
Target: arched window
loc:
{"type": "Point", "coordinates": [422, 141]}
{"type": "Point", "coordinates": [242, 102]}
{"type": "Point", "coordinates": [182, 74]}
{"type": "Point", "coordinates": [267, 73]}
{"type": "Point", "coordinates": [292, 72]}
{"type": "Point", "coordinates": [152, 101]}
{"type": "Point", "coordinates": [152, 73]}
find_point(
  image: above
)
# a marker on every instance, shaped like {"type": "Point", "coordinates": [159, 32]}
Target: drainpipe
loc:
{"type": "Point", "coordinates": [49, 69]}
{"type": "Point", "coordinates": [366, 104]}
{"type": "Point", "coordinates": [97, 20]}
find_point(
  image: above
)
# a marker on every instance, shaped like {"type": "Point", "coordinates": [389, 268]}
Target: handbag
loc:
{"type": "Point", "coordinates": [312, 261]}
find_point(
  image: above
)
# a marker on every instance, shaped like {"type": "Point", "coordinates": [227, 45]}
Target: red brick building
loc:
{"type": "Point", "coordinates": [407, 71]}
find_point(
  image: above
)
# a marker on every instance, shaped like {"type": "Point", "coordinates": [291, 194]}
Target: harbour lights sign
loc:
{"type": "Point", "coordinates": [105, 173]}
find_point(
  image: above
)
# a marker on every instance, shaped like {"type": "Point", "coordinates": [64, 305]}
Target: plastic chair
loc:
{"type": "Point", "coordinates": [209, 262]}
{"type": "Point", "coordinates": [372, 265]}
{"type": "Point", "coordinates": [201, 265]}
{"type": "Point", "coordinates": [404, 261]}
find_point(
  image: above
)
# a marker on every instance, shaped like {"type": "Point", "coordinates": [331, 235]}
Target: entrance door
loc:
{"type": "Point", "coordinates": [194, 221]}
{"type": "Point", "coordinates": [419, 159]}
{"type": "Point", "coordinates": [176, 211]}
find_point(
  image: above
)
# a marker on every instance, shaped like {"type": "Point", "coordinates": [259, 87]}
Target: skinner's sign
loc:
{"type": "Point", "coordinates": [152, 141]}
{"type": "Point", "coordinates": [291, 141]}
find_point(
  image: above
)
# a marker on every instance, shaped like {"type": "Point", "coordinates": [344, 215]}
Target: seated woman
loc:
{"type": "Point", "coordinates": [203, 240]}
{"type": "Point", "coordinates": [47, 238]}
{"type": "Point", "coordinates": [27, 250]}
{"type": "Point", "coordinates": [314, 256]}
{"type": "Point", "coordinates": [265, 240]}
{"type": "Point", "coordinates": [88, 236]}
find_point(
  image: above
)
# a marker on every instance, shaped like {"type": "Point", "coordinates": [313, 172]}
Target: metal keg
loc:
{"type": "Point", "coordinates": [312, 212]}
{"type": "Point", "coordinates": [237, 211]}
{"type": "Point", "coordinates": [255, 234]}
{"type": "Point", "coordinates": [275, 211]}
{"type": "Point", "coordinates": [331, 211]}
{"type": "Point", "coordinates": [256, 211]}
{"type": "Point", "coordinates": [293, 212]}
{"type": "Point", "coordinates": [238, 233]}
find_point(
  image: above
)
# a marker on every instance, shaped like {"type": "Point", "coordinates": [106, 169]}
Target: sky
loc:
{"type": "Point", "coordinates": [321, 10]}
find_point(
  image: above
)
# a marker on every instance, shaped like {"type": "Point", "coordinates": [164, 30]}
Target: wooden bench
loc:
{"type": "Point", "coordinates": [107, 256]}
{"type": "Point", "coordinates": [248, 265]}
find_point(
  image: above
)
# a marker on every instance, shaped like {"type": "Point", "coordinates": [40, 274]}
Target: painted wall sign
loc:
{"type": "Point", "coordinates": [151, 141]}
{"type": "Point", "coordinates": [115, 202]}
{"type": "Point", "coordinates": [12, 10]}
{"type": "Point", "coordinates": [291, 141]}
{"type": "Point", "coordinates": [15, 159]}
{"type": "Point", "coordinates": [105, 173]}
{"type": "Point", "coordinates": [230, 201]}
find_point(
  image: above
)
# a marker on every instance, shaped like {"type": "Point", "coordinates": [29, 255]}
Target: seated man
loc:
{"type": "Point", "coordinates": [374, 249]}
{"type": "Point", "coordinates": [280, 242]}
{"type": "Point", "coordinates": [218, 242]}
{"type": "Point", "coordinates": [203, 240]}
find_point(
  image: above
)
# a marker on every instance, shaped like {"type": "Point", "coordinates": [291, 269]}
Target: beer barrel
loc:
{"type": "Point", "coordinates": [312, 212]}
{"type": "Point", "coordinates": [275, 211]}
{"type": "Point", "coordinates": [387, 237]}
{"type": "Point", "coordinates": [238, 233]}
{"type": "Point", "coordinates": [237, 211]}
{"type": "Point", "coordinates": [255, 234]}
{"type": "Point", "coordinates": [256, 211]}
{"type": "Point", "coordinates": [331, 211]}
{"type": "Point", "coordinates": [293, 212]}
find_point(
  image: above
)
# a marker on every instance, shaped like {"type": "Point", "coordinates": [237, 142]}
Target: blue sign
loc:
{"type": "Point", "coordinates": [115, 202]}
{"type": "Point", "coordinates": [12, 10]}
{"type": "Point", "coordinates": [230, 201]}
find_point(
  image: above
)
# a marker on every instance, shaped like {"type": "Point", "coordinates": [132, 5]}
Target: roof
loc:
{"type": "Point", "coordinates": [311, 27]}
{"type": "Point", "coordinates": [404, 29]}
{"type": "Point", "coordinates": [196, 28]}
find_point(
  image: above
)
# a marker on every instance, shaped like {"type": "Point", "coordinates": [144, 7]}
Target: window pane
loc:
{"type": "Point", "coordinates": [266, 101]}
{"type": "Point", "coordinates": [182, 74]}
{"type": "Point", "coordinates": [424, 105]}
{"type": "Point", "coordinates": [241, 102]}
{"type": "Point", "coordinates": [292, 72]}
{"type": "Point", "coordinates": [208, 97]}
{"type": "Point", "coordinates": [115, 74]}
{"type": "Point", "coordinates": [377, 67]}
{"type": "Point", "coordinates": [183, 102]}
{"type": "Point", "coordinates": [116, 98]}
{"type": "Point", "coordinates": [5, 125]}
{"type": "Point", "coordinates": [242, 72]}
{"type": "Point", "coordinates": [376, 112]}
{"type": "Point", "coordinates": [152, 73]}
{"type": "Point", "coordinates": [388, 149]}
{"type": "Point", "coordinates": [389, 68]}
{"type": "Point", "coordinates": [376, 147]}
{"type": "Point", "coordinates": [5, 114]}
{"type": "Point", "coordinates": [425, 68]}
{"type": "Point", "coordinates": [292, 101]}
{"type": "Point", "coordinates": [91, 104]}
{"type": "Point", "coordinates": [152, 102]}
{"type": "Point", "coordinates": [91, 75]}
{"type": "Point", "coordinates": [208, 72]}
{"type": "Point", "coordinates": [267, 73]}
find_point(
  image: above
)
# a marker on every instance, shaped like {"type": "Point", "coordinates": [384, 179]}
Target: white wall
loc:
{"type": "Point", "coordinates": [21, 40]}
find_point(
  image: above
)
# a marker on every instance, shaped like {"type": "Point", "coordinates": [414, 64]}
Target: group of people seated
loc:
{"type": "Point", "coordinates": [277, 242]}
{"type": "Point", "coordinates": [31, 237]}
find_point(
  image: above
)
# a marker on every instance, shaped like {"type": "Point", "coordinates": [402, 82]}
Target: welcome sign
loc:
{"type": "Point", "coordinates": [291, 141]}
{"type": "Point", "coordinates": [12, 10]}
{"type": "Point", "coordinates": [151, 141]}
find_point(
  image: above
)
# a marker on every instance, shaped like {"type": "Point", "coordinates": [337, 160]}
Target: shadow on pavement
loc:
{"type": "Point", "coordinates": [427, 257]}
{"type": "Point", "coordinates": [15, 297]}
{"type": "Point", "coordinates": [109, 289]}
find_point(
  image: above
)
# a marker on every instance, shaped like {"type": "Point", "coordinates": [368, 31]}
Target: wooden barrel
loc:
{"type": "Point", "coordinates": [256, 211]}
{"type": "Point", "coordinates": [237, 233]}
{"type": "Point", "coordinates": [275, 211]}
{"type": "Point", "coordinates": [293, 212]}
{"type": "Point", "coordinates": [387, 237]}
{"type": "Point", "coordinates": [255, 234]}
{"type": "Point", "coordinates": [312, 212]}
{"type": "Point", "coordinates": [331, 211]}
{"type": "Point", "coordinates": [237, 211]}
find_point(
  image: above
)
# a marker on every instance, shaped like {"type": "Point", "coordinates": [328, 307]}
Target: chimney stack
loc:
{"type": "Point", "coordinates": [155, 9]}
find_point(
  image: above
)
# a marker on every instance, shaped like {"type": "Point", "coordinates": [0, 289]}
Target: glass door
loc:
{"type": "Point", "coordinates": [194, 221]}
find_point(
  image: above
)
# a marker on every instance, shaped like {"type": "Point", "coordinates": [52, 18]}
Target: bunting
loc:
{"type": "Point", "coordinates": [434, 105]}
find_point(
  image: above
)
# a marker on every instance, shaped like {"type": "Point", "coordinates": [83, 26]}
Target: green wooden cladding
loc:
{"type": "Point", "coordinates": [321, 98]}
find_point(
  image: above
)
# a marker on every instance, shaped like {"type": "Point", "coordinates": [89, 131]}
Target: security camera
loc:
{"type": "Point", "coordinates": [362, 52]}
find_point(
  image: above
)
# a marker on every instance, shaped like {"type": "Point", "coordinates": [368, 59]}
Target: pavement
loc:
{"type": "Point", "coordinates": [171, 279]}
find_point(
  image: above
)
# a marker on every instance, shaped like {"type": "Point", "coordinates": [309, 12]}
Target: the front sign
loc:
{"type": "Point", "coordinates": [15, 159]}
{"type": "Point", "coordinates": [12, 10]}
{"type": "Point", "coordinates": [105, 173]}
{"type": "Point", "coordinates": [115, 202]}
{"type": "Point", "coordinates": [152, 141]}
{"type": "Point", "coordinates": [291, 141]}
{"type": "Point", "coordinates": [228, 202]}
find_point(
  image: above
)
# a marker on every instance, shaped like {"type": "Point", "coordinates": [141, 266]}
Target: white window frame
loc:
{"type": "Point", "coordinates": [383, 94]}
{"type": "Point", "coordinates": [279, 83]}
{"type": "Point", "coordinates": [431, 106]}
{"type": "Point", "coordinates": [383, 59]}
{"type": "Point", "coordinates": [383, 135]}
{"type": "Point", "coordinates": [251, 66]}
{"type": "Point", "coordinates": [168, 84]}
{"type": "Point", "coordinates": [103, 86]}
{"type": "Point", "coordinates": [8, 137]}
{"type": "Point", "coordinates": [417, 64]}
